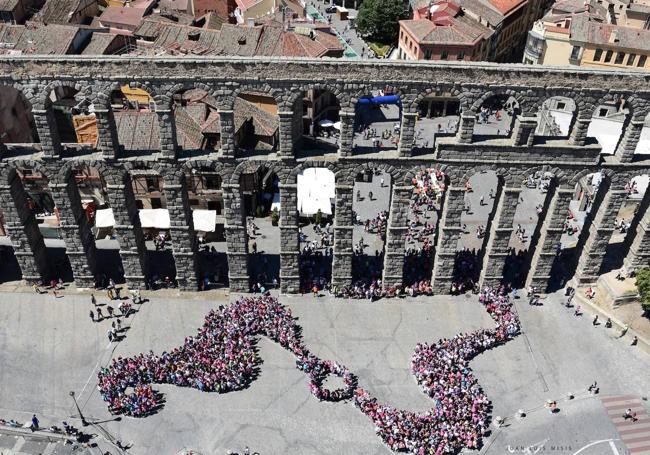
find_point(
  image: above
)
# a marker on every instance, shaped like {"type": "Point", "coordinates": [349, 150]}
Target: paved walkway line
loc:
{"type": "Point", "coordinates": [634, 434]}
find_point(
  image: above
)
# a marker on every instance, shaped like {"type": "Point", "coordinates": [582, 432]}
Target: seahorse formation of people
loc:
{"type": "Point", "coordinates": [221, 358]}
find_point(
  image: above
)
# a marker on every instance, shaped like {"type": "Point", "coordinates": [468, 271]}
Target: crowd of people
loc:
{"type": "Point", "coordinates": [461, 414]}
{"type": "Point", "coordinates": [220, 358]}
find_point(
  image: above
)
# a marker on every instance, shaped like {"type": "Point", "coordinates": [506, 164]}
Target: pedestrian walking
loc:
{"type": "Point", "coordinates": [100, 316]}
{"type": "Point", "coordinates": [577, 312]}
{"type": "Point", "coordinates": [55, 293]}
{"type": "Point", "coordinates": [93, 300]}
{"type": "Point", "coordinates": [382, 182]}
{"type": "Point", "coordinates": [36, 289]}
{"type": "Point", "coordinates": [92, 316]}
{"type": "Point", "coordinates": [118, 324]}
{"type": "Point", "coordinates": [635, 340]}
{"type": "Point", "coordinates": [109, 293]}
{"type": "Point", "coordinates": [110, 311]}
{"type": "Point", "coordinates": [34, 425]}
{"type": "Point", "coordinates": [117, 293]}
{"type": "Point", "coordinates": [254, 246]}
{"type": "Point", "coordinates": [480, 202]}
{"type": "Point", "coordinates": [629, 414]}
{"type": "Point", "coordinates": [110, 335]}
{"type": "Point", "coordinates": [595, 321]}
{"type": "Point", "coordinates": [370, 195]}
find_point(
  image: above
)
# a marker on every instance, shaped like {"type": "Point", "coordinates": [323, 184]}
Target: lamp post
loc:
{"type": "Point", "coordinates": [83, 419]}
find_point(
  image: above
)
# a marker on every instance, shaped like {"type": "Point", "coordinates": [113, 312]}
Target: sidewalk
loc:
{"type": "Point", "coordinates": [639, 326]}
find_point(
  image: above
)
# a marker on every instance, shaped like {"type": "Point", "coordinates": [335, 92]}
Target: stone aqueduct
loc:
{"type": "Point", "coordinates": [567, 159]}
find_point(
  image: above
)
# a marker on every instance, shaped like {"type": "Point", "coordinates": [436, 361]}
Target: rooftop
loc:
{"type": "Point", "coordinates": [36, 38]}
{"type": "Point", "coordinates": [588, 31]}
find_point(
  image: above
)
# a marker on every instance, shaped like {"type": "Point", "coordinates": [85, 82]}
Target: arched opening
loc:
{"type": "Point", "coordinates": [260, 193]}
{"type": "Point", "coordinates": [555, 117]}
{"type": "Point", "coordinates": [625, 224]}
{"type": "Point", "coordinates": [425, 208]}
{"type": "Point", "coordinates": [205, 195]}
{"type": "Point", "coordinates": [316, 196]}
{"type": "Point", "coordinates": [256, 123]}
{"type": "Point", "coordinates": [643, 146]}
{"type": "Point", "coordinates": [576, 226]}
{"type": "Point", "coordinates": [377, 122]}
{"type": "Point", "coordinates": [496, 117]}
{"type": "Point", "coordinates": [607, 124]}
{"type": "Point", "coordinates": [371, 207]}
{"type": "Point", "coordinates": [480, 195]}
{"type": "Point", "coordinates": [136, 121]}
{"type": "Point", "coordinates": [41, 204]}
{"type": "Point", "coordinates": [321, 125]}
{"type": "Point", "coordinates": [438, 117]}
{"type": "Point", "coordinates": [75, 118]}
{"type": "Point", "coordinates": [147, 185]}
{"type": "Point", "coordinates": [197, 121]}
{"type": "Point", "coordinates": [99, 214]}
{"type": "Point", "coordinates": [16, 118]}
{"type": "Point", "coordinates": [535, 196]}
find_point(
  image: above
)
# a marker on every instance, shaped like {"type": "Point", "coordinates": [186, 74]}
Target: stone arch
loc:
{"type": "Point", "coordinates": [410, 173]}
{"type": "Point", "coordinates": [150, 89]}
{"type": "Point", "coordinates": [503, 173]}
{"type": "Point", "coordinates": [336, 89]}
{"type": "Point", "coordinates": [275, 93]}
{"type": "Point", "coordinates": [291, 176]}
{"type": "Point", "coordinates": [518, 93]}
{"type": "Point", "coordinates": [396, 174]}
{"type": "Point", "coordinates": [559, 175]}
{"type": "Point", "coordinates": [31, 164]}
{"type": "Point", "coordinates": [82, 88]}
{"type": "Point", "coordinates": [63, 173]}
{"type": "Point", "coordinates": [249, 166]}
{"type": "Point", "coordinates": [453, 89]}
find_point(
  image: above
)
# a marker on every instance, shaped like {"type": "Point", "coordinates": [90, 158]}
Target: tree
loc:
{"type": "Point", "coordinates": [643, 286]}
{"type": "Point", "coordinates": [378, 20]}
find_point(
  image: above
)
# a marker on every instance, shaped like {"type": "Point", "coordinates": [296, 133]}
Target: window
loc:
{"type": "Point", "coordinates": [598, 55]}
{"type": "Point", "coordinates": [641, 62]}
{"type": "Point", "coordinates": [212, 182]}
{"type": "Point", "coordinates": [603, 112]}
{"type": "Point", "coordinates": [630, 59]}
{"type": "Point", "coordinates": [561, 106]}
{"type": "Point", "coordinates": [608, 56]}
{"type": "Point", "coordinates": [460, 55]}
{"type": "Point", "coordinates": [444, 55]}
{"type": "Point", "coordinates": [575, 53]}
{"type": "Point", "coordinates": [152, 184]}
{"type": "Point", "coordinates": [156, 203]}
{"type": "Point", "coordinates": [620, 56]}
{"type": "Point", "coordinates": [427, 54]}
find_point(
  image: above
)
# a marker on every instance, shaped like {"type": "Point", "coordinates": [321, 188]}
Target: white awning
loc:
{"type": "Point", "coordinates": [326, 123]}
{"type": "Point", "coordinates": [104, 218]}
{"type": "Point", "coordinates": [204, 220]}
{"type": "Point", "coordinates": [337, 126]}
{"type": "Point", "coordinates": [315, 191]}
{"type": "Point", "coordinates": [154, 218]}
{"type": "Point", "coordinates": [606, 132]}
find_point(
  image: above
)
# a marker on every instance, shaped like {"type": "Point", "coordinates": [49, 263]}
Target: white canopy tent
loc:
{"type": "Point", "coordinates": [606, 132]}
{"type": "Point", "coordinates": [155, 218]}
{"type": "Point", "coordinates": [315, 191]}
{"type": "Point", "coordinates": [104, 218]}
{"type": "Point", "coordinates": [204, 220]}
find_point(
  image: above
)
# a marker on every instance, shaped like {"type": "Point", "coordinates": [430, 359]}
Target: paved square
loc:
{"type": "Point", "coordinates": [49, 347]}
